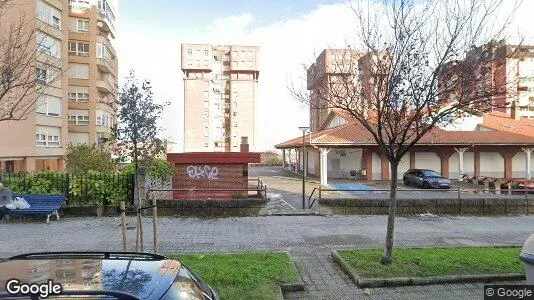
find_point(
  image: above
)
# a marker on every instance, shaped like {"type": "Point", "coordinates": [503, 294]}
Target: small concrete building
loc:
{"type": "Point", "coordinates": [344, 149]}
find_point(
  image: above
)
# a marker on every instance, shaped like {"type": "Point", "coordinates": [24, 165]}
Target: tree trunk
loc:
{"type": "Point", "coordinates": [388, 253]}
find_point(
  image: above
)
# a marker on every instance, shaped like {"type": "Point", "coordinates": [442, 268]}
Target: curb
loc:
{"type": "Point", "coordinates": [290, 287]}
{"type": "Point", "coordinates": [405, 281]}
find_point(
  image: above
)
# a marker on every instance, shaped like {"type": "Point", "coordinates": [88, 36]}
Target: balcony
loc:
{"type": "Point", "coordinates": [105, 22]}
{"type": "Point", "coordinates": [106, 66]}
{"type": "Point", "coordinates": [110, 103]}
{"type": "Point", "coordinates": [106, 87]}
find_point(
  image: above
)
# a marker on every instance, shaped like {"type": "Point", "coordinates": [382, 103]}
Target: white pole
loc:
{"type": "Point", "coordinates": [528, 151]}
{"type": "Point", "coordinates": [460, 152]}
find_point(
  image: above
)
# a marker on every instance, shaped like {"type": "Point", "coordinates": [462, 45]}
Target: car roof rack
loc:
{"type": "Point", "coordinates": [114, 294]}
{"type": "Point", "coordinates": [90, 255]}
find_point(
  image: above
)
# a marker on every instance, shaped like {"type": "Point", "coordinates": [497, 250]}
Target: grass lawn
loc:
{"type": "Point", "coordinates": [435, 262]}
{"type": "Point", "coordinates": [243, 275]}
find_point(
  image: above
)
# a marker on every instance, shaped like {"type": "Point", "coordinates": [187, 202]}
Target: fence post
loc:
{"type": "Point", "coordinates": [67, 188]}
{"type": "Point", "coordinates": [155, 222]}
{"type": "Point", "coordinates": [123, 225]}
{"type": "Point", "coordinates": [526, 202]}
{"type": "Point", "coordinates": [459, 200]}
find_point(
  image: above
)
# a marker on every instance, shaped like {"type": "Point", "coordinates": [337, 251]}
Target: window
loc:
{"type": "Point", "coordinates": [206, 94]}
{"type": "Point", "coordinates": [55, 22]}
{"type": "Point", "coordinates": [79, 25]}
{"type": "Point", "coordinates": [40, 139]}
{"type": "Point", "coordinates": [101, 138]}
{"type": "Point", "coordinates": [189, 51]}
{"type": "Point", "coordinates": [78, 116]}
{"type": "Point", "coordinates": [235, 114]}
{"type": "Point", "coordinates": [206, 52]}
{"type": "Point", "coordinates": [79, 93]}
{"type": "Point", "coordinates": [235, 103]}
{"type": "Point", "coordinates": [42, 77]}
{"type": "Point", "coordinates": [198, 53]}
{"type": "Point", "coordinates": [78, 48]}
{"type": "Point", "coordinates": [235, 94]}
{"type": "Point", "coordinates": [48, 106]}
{"type": "Point", "coordinates": [80, 5]}
{"type": "Point", "coordinates": [234, 53]}
{"type": "Point", "coordinates": [48, 14]}
{"type": "Point", "coordinates": [251, 64]}
{"type": "Point", "coordinates": [206, 115]}
{"type": "Point", "coordinates": [48, 44]}
{"type": "Point", "coordinates": [103, 118]}
{"type": "Point", "coordinates": [47, 136]}
{"type": "Point", "coordinates": [102, 51]}
{"type": "Point", "coordinates": [53, 141]}
{"type": "Point", "coordinates": [206, 103]}
{"type": "Point", "coordinates": [242, 53]}
{"type": "Point", "coordinates": [80, 71]}
{"type": "Point", "coordinates": [206, 134]}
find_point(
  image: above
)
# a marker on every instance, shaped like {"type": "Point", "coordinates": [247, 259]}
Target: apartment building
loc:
{"type": "Point", "coordinates": [220, 96]}
{"type": "Point", "coordinates": [327, 78]}
{"type": "Point", "coordinates": [77, 66]}
{"type": "Point", "coordinates": [506, 75]}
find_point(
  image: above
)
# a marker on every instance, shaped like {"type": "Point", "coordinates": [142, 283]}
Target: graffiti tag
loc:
{"type": "Point", "coordinates": [208, 172]}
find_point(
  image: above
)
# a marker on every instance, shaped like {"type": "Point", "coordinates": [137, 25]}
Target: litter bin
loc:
{"type": "Point", "coordinates": [527, 255]}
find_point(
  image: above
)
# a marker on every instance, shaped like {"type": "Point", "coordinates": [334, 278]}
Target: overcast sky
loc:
{"type": "Point", "coordinates": [291, 33]}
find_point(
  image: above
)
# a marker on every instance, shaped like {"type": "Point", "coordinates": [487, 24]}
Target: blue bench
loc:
{"type": "Point", "coordinates": [40, 205]}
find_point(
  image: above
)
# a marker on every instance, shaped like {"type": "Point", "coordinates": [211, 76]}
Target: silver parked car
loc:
{"type": "Point", "coordinates": [426, 179]}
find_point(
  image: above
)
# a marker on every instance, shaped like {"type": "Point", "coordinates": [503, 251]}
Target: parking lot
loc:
{"type": "Point", "coordinates": [287, 186]}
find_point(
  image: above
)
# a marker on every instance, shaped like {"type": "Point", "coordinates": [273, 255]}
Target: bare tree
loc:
{"type": "Point", "coordinates": [409, 74]}
{"type": "Point", "coordinates": [26, 69]}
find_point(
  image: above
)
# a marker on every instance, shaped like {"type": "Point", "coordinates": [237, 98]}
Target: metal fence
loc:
{"type": "Point", "coordinates": [88, 189]}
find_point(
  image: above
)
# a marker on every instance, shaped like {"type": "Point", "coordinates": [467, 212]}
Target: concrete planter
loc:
{"type": "Point", "coordinates": [405, 281]}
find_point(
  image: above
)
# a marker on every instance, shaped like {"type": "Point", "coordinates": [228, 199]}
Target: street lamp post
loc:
{"type": "Point", "coordinates": [303, 161]}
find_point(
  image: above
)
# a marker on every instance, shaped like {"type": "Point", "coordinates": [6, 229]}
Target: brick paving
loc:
{"type": "Point", "coordinates": [308, 239]}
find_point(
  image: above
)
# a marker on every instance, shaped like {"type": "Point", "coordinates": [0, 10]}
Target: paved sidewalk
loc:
{"type": "Point", "coordinates": [308, 239]}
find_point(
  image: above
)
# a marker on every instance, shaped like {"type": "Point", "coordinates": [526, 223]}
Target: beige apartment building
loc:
{"type": "Point", "coordinates": [78, 103]}
{"type": "Point", "coordinates": [220, 97]}
{"type": "Point", "coordinates": [330, 65]}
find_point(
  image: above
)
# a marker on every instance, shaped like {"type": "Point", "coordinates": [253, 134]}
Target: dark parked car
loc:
{"type": "Point", "coordinates": [426, 179]}
{"type": "Point", "coordinates": [101, 275]}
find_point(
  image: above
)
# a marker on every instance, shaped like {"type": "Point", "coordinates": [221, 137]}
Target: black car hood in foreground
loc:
{"type": "Point", "coordinates": [143, 278]}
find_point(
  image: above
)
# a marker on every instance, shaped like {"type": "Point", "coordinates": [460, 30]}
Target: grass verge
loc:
{"type": "Point", "coordinates": [428, 262]}
{"type": "Point", "coordinates": [243, 275]}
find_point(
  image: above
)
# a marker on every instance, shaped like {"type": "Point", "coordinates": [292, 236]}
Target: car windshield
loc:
{"type": "Point", "coordinates": [430, 173]}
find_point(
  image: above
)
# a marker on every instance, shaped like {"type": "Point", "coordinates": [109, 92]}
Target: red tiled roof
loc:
{"type": "Point", "coordinates": [355, 135]}
{"type": "Point", "coordinates": [503, 122]}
